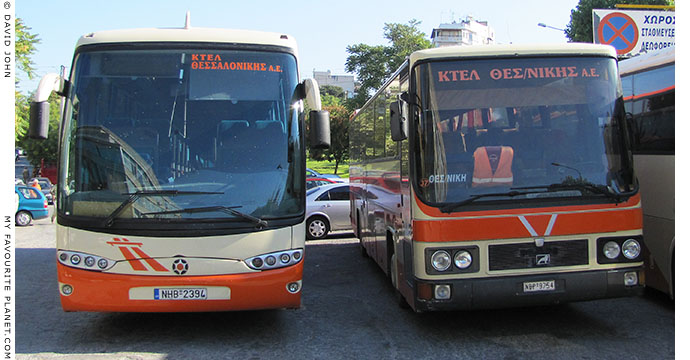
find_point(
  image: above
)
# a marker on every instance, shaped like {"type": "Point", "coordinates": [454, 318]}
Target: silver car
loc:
{"type": "Point", "coordinates": [328, 209]}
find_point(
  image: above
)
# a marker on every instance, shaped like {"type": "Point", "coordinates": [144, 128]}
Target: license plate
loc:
{"type": "Point", "coordinates": [180, 294]}
{"type": "Point", "coordinates": [537, 286]}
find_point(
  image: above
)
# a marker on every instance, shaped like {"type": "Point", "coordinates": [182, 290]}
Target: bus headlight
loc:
{"type": "Point", "coordinates": [463, 259]}
{"type": "Point", "coordinates": [74, 259]}
{"type": "Point", "coordinates": [631, 249]}
{"type": "Point", "coordinates": [66, 290]}
{"type": "Point", "coordinates": [294, 287]}
{"type": "Point", "coordinates": [90, 261]}
{"type": "Point", "coordinates": [270, 261]}
{"type": "Point", "coordinates": [440, 260]}
{"type": "Point", "coordinates": [611, 250]}
{"type": "Point", "coordinates": [620, 249]}
{"type": "Point", "coordinates": [630, 278]}
{"type": "Point", "coordinates": [442, 292]}
{"type": "Point", "coordinates": [451, 260]}
{"type": "Point", "coordinates": [102, 263]}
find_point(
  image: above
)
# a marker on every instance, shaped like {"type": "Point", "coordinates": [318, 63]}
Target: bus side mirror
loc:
{"type": "Point", "coordinates": [319, 120]}
{"type": "Point", "coordinates": [398, 121]}
{"type": "Point", "coordinates": [39, 119]}
{"type": "Point", "coordinates": [39, 111]}
{"type": "Point", "coordinates": [319, 129]}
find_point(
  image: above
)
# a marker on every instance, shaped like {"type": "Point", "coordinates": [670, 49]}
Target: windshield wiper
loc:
{"type": "Point", "coordinates": [451, 207]}
{"type": "Point", "coordinates": [226, 209]}
{"type": "Point", "coordinates": [108, 222]}
{"type": "Point", "coordinates": [597, 189]}
{"type": "Point", "coordinates": [515, 191]}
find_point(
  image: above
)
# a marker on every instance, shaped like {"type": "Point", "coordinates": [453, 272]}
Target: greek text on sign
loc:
{"type": "Point", "coordinates": [215, 62]}
{"type": "Point", "coordinates": [518, 73]}
{"type": "Point", "coordinates": [634, 31]}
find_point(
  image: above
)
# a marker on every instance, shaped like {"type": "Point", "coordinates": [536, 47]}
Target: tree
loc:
{"type": "Point", "coordinates": [405, 39]}
{"type": "Point", "coordinates": [332, 100]}
{"type": "Point", "coordinates": [335, 91]}
{"type": "Point", "coordinates": [580, 27]}
{"type": "Point", "coordinates": [340, 138]}
{"type": "Point", "coordinates": [24, 48]}
{"type": "Point", "coordinates": [370, 63]}
{"type": "Point", "coordinates": [36, 150]}
{"type": "Point", "coordinates": [373, 64]}
{"type": "Point", "coordinates": [332, 95]}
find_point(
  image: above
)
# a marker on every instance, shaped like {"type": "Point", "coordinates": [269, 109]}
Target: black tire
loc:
{"type": "Point", "coordinates": [317, 227]}
{"type": "Point", "coordinates": [393, 270]}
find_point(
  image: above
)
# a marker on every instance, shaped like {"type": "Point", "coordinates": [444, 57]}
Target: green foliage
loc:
{"type": "Point", "coordinates": [340, 139]}
{"type": "Point", "coordinates": [327, 167]}
{"type": "Point", "coordinates": [36, 150]}
{"type": "Point", "coordinates": [404, 39]}
{"type": "Point", "coordinates": [580, 27]}
{"type": "Point", "coordinates": [370, 63]}
{"type": "Point", "coordinates": [334, 91]}
{"type": "Point", "coordinates": [373, 64]}
{"type": "Point", "coordinates": [24, 47]}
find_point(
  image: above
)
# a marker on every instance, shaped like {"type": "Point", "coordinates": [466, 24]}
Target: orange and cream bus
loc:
{"type": "Point", "coordinates": [181, 181]}
{"type": "Point", "coordinates": [508, 178]}
{"type": "Point", "coordinates": [649, 91]}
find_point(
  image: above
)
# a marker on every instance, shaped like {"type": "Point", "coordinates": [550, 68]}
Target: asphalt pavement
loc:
{"type": "Point", "coordinates": [348, 311]}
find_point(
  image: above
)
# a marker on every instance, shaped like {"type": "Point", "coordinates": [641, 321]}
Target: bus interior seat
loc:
{"type": "Point", "coordinates": [263, 124]}
{"type": "Point", "coordinates": [232, 142]}
{"type": "Point", "coordinates": [231, 129]}
{"type": "Point", "coordinates": [269, 134]}
{"type": "Point", "coordinates": [492, 137]}
{"type": "Point", "coordinates": [252, 147]}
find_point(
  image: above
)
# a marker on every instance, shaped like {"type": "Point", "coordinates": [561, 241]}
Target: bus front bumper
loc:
{"type": "Point", "coordinates": [97, 291]}
{"type": "Point", "coordinates": [527, 290]}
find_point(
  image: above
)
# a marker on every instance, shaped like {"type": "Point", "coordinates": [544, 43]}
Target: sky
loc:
{"type": "Point", "coordinates": [323, 29]}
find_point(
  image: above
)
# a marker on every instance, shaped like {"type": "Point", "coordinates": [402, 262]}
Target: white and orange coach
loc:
{"type": "Point", "coordinates": [499, 176]}
{"type": "Point", "coordinates": [181, 181]}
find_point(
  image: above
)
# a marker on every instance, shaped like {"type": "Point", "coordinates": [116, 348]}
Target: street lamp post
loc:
{"type": "Point", "coordinates": [550, 27]}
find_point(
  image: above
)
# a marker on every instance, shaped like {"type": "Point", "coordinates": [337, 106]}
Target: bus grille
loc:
{"type": "Point", "coordinates": [527, 255]}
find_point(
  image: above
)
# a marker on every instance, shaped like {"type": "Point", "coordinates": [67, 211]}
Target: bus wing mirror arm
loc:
{"type": "Point", "coordinates": [39, 111]}
{"type": "Point", "coordinates": [398, 120]}
{"type": "Point", "coordinates": [319, 120]}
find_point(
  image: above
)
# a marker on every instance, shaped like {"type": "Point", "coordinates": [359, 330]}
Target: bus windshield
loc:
{"type": "Point", "coordinates": [519, 129]}
{"type": "Point", "coordinates": [165, 135]}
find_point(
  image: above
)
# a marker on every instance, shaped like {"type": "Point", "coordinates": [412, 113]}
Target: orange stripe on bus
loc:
{"type": "Point", "coordinates": [97, 291]}
{"type": "Point", "coordinates": [569, 221]}
{"type": "Point", "coordinates": [133, 261]}
{"type": "Point", "coordinates": [436, 212]}
{"type": "Point", "coordinates": [154, 264]}
{"type": "Point", "coordinates": [640, 96]}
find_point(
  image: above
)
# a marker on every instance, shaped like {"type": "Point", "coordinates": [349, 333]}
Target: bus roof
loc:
{"type": "Point", "coordinates": [189, 34]}
{"type": "Point", "coordinates": [512, 50]}
{"type": "Point", "coordinates": [648, 60]}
